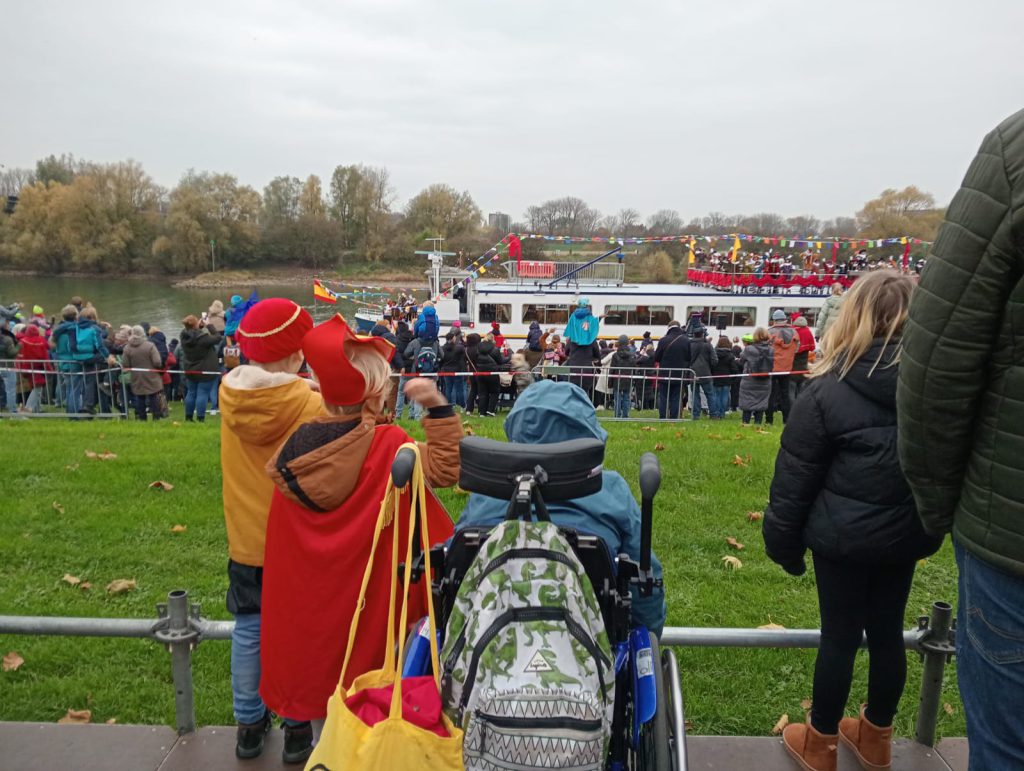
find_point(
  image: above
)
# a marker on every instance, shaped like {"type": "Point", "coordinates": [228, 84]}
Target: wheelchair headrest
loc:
{"type": "Point", "coordinates": [573, 468]}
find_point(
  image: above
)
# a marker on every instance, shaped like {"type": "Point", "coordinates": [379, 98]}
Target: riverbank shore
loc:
{"type": "Point", "coordinates": [232, 279]}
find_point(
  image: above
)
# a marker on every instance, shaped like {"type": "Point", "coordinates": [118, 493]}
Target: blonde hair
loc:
{"type": "Point", "coordinates": [837, 288]}
{"type": "Point", "coordinates": [761, 335]}
{"type": "Point", "coordinates": [88, 312]}
{"type": "Point", "coordinates": [876, 307]}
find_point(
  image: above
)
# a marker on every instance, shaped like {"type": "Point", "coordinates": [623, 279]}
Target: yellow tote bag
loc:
{"type": "Point", "coordinates": [393, 744]}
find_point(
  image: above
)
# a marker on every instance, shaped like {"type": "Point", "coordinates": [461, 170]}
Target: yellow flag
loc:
{"type": "Point", "coordinates": [693, 251]}
{"type": "Point", "coordinates": [736, 249]}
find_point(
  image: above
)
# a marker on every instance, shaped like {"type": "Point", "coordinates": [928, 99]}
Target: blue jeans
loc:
{"type": "Point", "coordinates": [10, 378]}
{"type": "Point", "coordinates": [72, 385]}
{"type": "Point", "coordinates": [723, 398]}
{"type": "Point", "coordinates": [245, 668]}
{"type": "Point", "coordinates": [670, 395]}
{"type": "Point", "coordinates": [214, 392]}
{"type": "Point", "coordinates": [709, 393]}
{"type": "Point", "coordinates": [197, 394]}
{"type": "Point", "coordinates": [622, 403]}
{"type": "Point", "coordinates": [990, 661]}
{"type": "Point", "coordinates": [455, 389]}
{"type": "Point", "coordinates": [414, 408]}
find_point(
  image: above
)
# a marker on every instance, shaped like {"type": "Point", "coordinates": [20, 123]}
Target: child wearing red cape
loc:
{"type": "Point", "coordinates": [330, 477]}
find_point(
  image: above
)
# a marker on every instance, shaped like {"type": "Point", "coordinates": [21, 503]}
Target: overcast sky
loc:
{"type": "Point", "coordinates": [793, 106]}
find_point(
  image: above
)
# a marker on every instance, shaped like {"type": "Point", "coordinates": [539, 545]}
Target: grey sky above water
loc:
{"type": "Point", "coordinates": [794, 106]}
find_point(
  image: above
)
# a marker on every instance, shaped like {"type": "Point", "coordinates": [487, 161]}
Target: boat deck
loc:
{"type": "Point", "coordinates": [37, 746]}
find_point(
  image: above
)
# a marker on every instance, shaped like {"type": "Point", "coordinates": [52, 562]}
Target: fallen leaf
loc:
{"type": "Point", "coordinates": [85, 586]}
{"type": "Point", "coordinates": [805, 704]}
{"type": "Point", "coordinates": [688, 725]}
{"type": "Point", "coordinates": [948, 707]}
{"type": "Point", "coordinates": [161, 485]}
{"type": "Point", "coordinates": [459, 491]}
{"type": "Point", "coordinates": [58, 508]}
{"type": "Point", "coordinates": [782, 723]}
{"type": "Point", "coordinates": [714, 436]}
{"type": "Point", "coordinates": [71, 467]}
{"type": "Point", "coordinates": [771, 625]}
{"type": "Point", "coordinates": [77, 717]}
{"type": "Point", "coordinates": [90, 454]}
{"type": "Point", "coordinates": [70, 579]}
{"type": "Point", "coordinates": [732, 562]}
{"type": "Point", "coordinates": [760, 430]}
{"type": "Point", "coordinates": [733, 543]}
{"type": "Point", "coordinates": [112, 721]}
{"type": "Point", "coordinates": [679, 434]}
{"type": "Point", "coordinates": [175, 423]}
{"type": "Point", "coordinates": [179, 529]}
{"type": "Point", "coordinates": [121, 585]}
{"type": "Point", "coordinates": [754, 516]}
{"type": "Point", "coordinates": [922, 562]}
{"type": "Point", "coordinates": [106, 455]}
{"type": "Point", "coordinates": [738, 461]}
{"type": "Point", "coordinates": [101, 436]}
{"type": "Point", "coordinates": [646, 428]}
{"type": "Point", "coordinates": [12, 661]}
{"type": "Point", "coordinates": [468, 431]}
{"type": "Point", "coordinates": [738, 436]}
{"type": "Point", "coordinates": [659, 447]}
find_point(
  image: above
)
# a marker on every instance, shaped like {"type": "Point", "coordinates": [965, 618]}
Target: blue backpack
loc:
{"type": "Point", "coordinates": [426, 360]}
{"type": "Point", "coordinates": [428, 328]}
{"type": "Point", "coordinates": [84, 344]}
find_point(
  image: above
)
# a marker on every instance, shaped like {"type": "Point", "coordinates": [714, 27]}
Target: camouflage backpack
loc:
{"type": "Point", "coordinates": [528, 670]}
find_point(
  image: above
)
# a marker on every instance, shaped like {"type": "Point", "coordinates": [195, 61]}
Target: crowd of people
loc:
{"type": "Point", "coordinates": [84, 365]}
{"type": "Point", "coordinates": [805, 264]}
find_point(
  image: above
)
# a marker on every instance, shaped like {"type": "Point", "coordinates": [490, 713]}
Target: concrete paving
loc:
{"type": "Point", "coordinates": [39, 746]}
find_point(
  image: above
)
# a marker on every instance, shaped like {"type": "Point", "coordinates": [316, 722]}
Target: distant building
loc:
{"type": "Point", "coordinates": [499, 221]}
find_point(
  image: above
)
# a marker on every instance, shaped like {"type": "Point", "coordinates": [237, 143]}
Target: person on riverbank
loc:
{"type": "Point", "coordinates": [32, 365]}
{"type": "Point", "coordinates": [865, 540]}
{"type": "Point", "coordinates": [215, 318]}
{"type": "Point", "coordinates": [785, 343]}
{"type": "Point", "coordinates": [262, 402]}
{"type": "Point", "coordinates": [672, 357]}
{"type": "Point", "coordinates": [330, 477]}
{"type": "Point", "coordinates": [9, 347]}
{"type": "Point", "coordinates": [142, 357]}
{"type": "Point", "coordinates": [757, 363]}
{"type": "Point", "coordinates": [829, 310]}
{"type": "Point", "coordinates": [201, 365]}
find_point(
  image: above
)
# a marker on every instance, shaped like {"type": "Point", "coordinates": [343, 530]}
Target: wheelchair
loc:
{"type": "Point", "coordinates": [648, 726]}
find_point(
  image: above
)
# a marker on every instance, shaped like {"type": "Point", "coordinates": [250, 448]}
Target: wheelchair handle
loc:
{"type": "Point", "coordinates": [401, 468]}
{"type": "Point", "coordinates": [650, 475]}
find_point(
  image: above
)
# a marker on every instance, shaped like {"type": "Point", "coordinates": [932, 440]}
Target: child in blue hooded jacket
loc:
{"type": "Point", "coordinates": [549, 412]}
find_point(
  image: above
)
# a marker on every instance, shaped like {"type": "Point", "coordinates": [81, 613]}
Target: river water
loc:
{"type": "Point", "coordinates": [132, 301]}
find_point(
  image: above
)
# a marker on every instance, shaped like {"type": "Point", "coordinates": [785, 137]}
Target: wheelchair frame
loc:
{"type": "Point", "coordinates": [648, 723]}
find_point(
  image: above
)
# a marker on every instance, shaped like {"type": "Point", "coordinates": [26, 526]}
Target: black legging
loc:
{"type": "Point", "coordinates": [488, 389]}
{"type": "Point", "coordinates": [858, 599]}
{"type": "Point", "coordinates": [779, 400]}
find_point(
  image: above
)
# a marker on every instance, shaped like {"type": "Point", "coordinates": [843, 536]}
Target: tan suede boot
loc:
{"type": "Point", "coordinates": [811, 750]}
{"type": "Point", "coordinates": [872, 745]}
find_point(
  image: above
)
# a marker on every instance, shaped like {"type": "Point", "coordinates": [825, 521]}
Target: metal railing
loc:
{"type": "Point", "coordinates": [180, 627]}
{"type": "Point", "coordinates": [597, 274]}
{"type": "Point", "coordinates": [53, 388]}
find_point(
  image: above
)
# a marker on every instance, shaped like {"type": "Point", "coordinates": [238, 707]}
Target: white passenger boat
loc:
{"type": "Point", "coordinates": [547, 292]}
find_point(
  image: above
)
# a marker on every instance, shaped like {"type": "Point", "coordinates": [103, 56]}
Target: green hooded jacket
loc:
{"type": "Point", "coordinates": [961, 391]}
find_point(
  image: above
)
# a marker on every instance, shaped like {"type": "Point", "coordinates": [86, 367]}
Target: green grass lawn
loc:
{"type": "Point", "coordinates": [64, 513]}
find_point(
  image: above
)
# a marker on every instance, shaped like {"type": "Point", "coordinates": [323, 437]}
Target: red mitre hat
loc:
{"type": "Point", "coordinates": [327, 348]}
{"type": "Point", "coordinates": [273, 329]}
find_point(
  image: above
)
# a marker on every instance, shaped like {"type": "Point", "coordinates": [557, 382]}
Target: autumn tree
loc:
{"type": "Point", "coordinates": [906, 212]}
{"type": "Point", "coordinates": [567, 216]}
{"type": "Point", "coordinates": [281, 200]}
{"type": "Point", "coordinates": [54, 169]}
{"type": "Point", "coordinates": [361, 200]}
{"type": "Point", "coordinates": [311, 199]}
{"type": "Point", "coordinates": [441, 210]}
{"type": "Point", "coordinates": [207, 207]}
{"type": "Point", "coordinates": [665, 222]}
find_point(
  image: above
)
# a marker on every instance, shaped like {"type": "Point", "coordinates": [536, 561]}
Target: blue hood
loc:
{"type": "Point", "coordinates": [549, 412]}
{"type": "Point", "coordinates": [428, 311]}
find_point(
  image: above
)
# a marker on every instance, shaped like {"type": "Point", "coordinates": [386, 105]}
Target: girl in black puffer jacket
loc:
{"type": "Point", "coordinates": [839, 491]}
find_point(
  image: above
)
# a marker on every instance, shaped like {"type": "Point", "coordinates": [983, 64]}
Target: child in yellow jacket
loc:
{"type": "Point", "coordinates": [261, 403]}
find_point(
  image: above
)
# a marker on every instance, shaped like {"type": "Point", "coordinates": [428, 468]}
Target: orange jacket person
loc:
{"type": "Point", "coordinates": [330, 478]}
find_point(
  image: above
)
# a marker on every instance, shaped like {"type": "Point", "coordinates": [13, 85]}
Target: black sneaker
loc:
{"type": "Point", "coordinates": [249, 741]}
{"type": "Point", "coordinates": [298, 742]}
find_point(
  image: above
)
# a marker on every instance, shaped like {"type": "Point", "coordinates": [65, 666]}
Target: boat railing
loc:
{"type": "Point", "coordinates": [546, 272]}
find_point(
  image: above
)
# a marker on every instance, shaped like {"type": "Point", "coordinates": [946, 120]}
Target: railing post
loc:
{"type": "Point", "coordinates": [178, 629]}
{"type": "Point", "coordinates": [936, 648]}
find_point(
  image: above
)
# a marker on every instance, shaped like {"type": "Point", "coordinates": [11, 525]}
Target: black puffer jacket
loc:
{"type": "Point", "coordinates": [199, 347]}
{"type": "Point", "coordinates": [838, 488]}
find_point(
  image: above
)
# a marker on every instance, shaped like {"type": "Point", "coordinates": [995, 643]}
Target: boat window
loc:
{"type": "Point", "coordinates": [545, 314]}
{"type": "Point", "coordinates": [811, 314]}
{"type": "Point", "coordinates": [735, 316]}
{"type": "Point", "coordinates": [640, 315]}
{"type": "Point", "coordinates": [500, 312]}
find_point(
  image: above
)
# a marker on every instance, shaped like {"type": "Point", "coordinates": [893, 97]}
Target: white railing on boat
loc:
{"type": "Point", "coordinates": [544, 272]}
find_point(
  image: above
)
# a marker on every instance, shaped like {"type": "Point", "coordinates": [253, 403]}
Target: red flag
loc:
{"type": "Point", "coordinates": [835, 253]}
{"type": "Point", "coordinates": [906, 254]}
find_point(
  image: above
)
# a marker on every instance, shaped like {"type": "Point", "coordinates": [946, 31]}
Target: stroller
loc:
{"type": "Point", "coordinates": [647, 724]}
